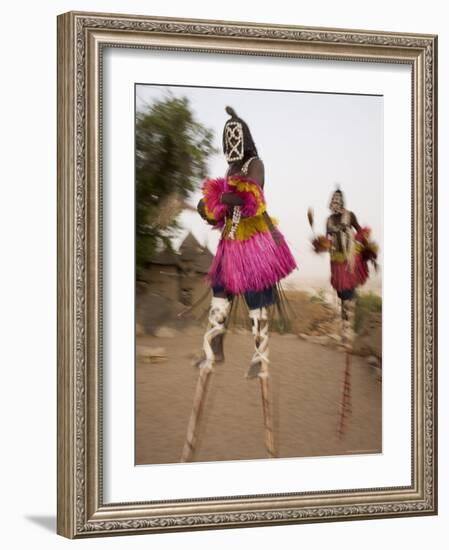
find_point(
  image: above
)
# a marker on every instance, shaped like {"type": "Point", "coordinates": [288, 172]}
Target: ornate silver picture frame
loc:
{"type": "Point", "coordinates": [83, 39]}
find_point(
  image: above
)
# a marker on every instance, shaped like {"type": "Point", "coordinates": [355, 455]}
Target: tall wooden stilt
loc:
{"type": "Point", "coordinates": [347, 317]}
{"type": "Point", "coordinates": [198, 402]}
{"type": "Point", "coordinates": [345, 402]}
{"type": "Point", "coordinates": [259, 369]}
{"type": "Point", "coordinates": [267, 412]}
{"type": "Point", "coordinates": [218, 313]}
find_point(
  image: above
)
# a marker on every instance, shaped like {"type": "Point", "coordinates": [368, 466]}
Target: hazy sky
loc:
{"type": "Point", "coordinates": [308, 142]}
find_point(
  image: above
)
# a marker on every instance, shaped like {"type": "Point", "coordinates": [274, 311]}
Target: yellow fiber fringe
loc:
{"type": "Point", "coordinates": [249, 227]}
{"type": "Point", "coordinates": [343, 256]}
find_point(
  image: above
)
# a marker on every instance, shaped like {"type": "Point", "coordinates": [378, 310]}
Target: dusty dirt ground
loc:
{"type": "Point", "coordinates": [306, 383]}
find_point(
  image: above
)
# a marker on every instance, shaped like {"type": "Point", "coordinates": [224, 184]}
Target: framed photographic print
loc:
{"type": "Point", "coordinates": [247, 274]}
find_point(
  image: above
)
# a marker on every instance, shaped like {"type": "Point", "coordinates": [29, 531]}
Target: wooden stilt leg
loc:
{"type": "Point", "coordinates": [217, 316]}
{"type": "Point", "coordinates": [267, 411]}
{"type": "Point", "coordinates": [347, 314]}
{"type": "Point", "coordinates": [345, 403]}
{"type": "Point", "coordinates": [259, 369]}
{"type": "Point", "coordinates": [198, 401]}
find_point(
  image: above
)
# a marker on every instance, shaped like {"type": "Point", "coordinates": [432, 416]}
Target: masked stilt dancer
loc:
{"type": "Point", "coordinates": [251, 259]}
{"type": "Point", "coordinates": [350, 248]}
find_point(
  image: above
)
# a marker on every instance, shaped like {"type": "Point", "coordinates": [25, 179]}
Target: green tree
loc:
{"type": "Point", "coordinates": [171, 153]}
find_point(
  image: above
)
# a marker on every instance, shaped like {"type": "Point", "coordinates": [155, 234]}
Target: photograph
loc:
{"type": "Point", "coordinates": [247, 274]}
{"type": "Point", "coordinates": [258, 273]}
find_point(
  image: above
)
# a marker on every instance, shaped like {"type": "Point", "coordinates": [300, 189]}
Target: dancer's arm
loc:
{"type": "Point", "coordinates": [354, 222]}
{"type": "Point", "coordinates": [328, 227]}
{"type": "Point", "coordinates": [256, 171]}
{"type": "Point", "coordinates": [322, 243]}
{"type": "Point", "coordinates": [202, 212]}
{"type": "Point", "coordinates": [231, 199]}
{"type": "Point", "coordinates": [363, 236]}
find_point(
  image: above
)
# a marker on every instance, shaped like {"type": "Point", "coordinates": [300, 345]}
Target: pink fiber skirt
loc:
{"type": "Point", "coordinates": [251, 265]}
{"type": "Point", "coordinates": [343, 278]}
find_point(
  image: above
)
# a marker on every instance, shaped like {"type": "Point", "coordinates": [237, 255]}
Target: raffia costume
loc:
{"type": "Point", "coordinates": [350, 248]}
{"type": "Point", "coordinates": [252, 254]}
{"type": "Point", "coordinates": [251, 259]}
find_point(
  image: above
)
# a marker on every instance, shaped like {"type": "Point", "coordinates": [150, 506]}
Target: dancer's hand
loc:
{"type": "Point", "coordinates": [201, 208]}
{"type": "Point", "coordinates": [321, 243]}
{"type": "Point", "coordinates": [231, 199]}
